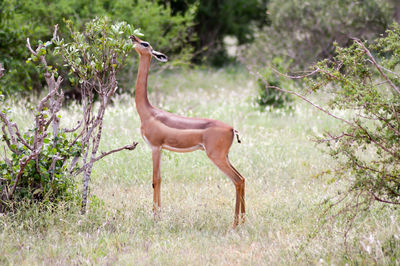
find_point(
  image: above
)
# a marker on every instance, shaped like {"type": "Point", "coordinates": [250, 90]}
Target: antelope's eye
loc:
{"type": "Point", "coordinates": [144, 44]}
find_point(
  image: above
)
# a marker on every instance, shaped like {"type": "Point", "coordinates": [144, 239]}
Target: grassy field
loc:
{"type": "Point", "coordinates": [284, 192]}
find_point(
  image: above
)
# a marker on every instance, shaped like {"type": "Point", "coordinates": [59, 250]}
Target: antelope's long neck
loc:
{"type": "Point", "coordinates": [143, 105]}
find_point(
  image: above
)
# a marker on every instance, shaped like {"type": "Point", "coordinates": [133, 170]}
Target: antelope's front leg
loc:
{"type": "Point", "coordinates": [156, 154]}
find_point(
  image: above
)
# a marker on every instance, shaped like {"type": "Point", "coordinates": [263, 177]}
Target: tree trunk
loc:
{"type": "Point", "coordinates": [86, 180]}
{"type": "Point", "coordinates": [397, 14]}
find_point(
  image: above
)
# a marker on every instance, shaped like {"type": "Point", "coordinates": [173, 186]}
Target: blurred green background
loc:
{"type": "Point", "coordinates": [196, 32]}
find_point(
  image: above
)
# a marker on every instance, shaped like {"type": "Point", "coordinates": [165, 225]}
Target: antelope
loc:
{"type": "Point", "coordinates": [164, 130]}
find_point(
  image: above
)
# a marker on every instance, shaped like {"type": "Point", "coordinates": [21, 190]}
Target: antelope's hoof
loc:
{"type": "Point", "coordinates": [243, 219]}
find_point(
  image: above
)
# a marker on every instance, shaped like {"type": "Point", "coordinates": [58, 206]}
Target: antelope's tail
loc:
{"type": "Point", "coordinates": [236, 133]}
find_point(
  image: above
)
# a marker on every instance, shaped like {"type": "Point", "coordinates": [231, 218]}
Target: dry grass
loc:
{"type": "Point", "coordinates": [283, 190]}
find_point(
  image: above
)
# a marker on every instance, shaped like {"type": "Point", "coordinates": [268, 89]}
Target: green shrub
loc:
{"type": "Point", "coordinates": [216, 19]}
{"type": "Point", "coordinates": [304, 31]}
{"type": "Point", "coordinates": [269, 97]}
{"type": "Point", "coordinates": [167, 31]}
{"type": "Point", "coordinates": [44, 158]}
{"type": "Point", "coordinates": [46, 178]}
{"type": "Point", "coordinates": [363, 80]}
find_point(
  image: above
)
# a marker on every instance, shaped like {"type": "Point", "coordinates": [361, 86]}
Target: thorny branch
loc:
{"type": "Point", "coordinates": [258, 75]}
{"type": "Point", "coordinates": [104, 154]}
{"type": "Point", "coordinates": [378, 67]}
{"type": "Point", "coordinates": [382, 200]}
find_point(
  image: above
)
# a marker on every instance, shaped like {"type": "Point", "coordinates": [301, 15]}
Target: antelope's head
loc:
{"type": "Point", "coordinates": [144, 48]}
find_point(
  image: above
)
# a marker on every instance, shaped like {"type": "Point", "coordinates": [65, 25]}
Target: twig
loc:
{"type": "Point", "coordinates": [382, 200]}
{"type": "Point", "coordinates": [351, 221]}
{"type": "Point", "coordinates": [378, 67]}
{"type": "Point", "coordinates": [73, 129]}
{"type": "Point", "coordinates": [295, 77]}
{"type": "Point", "coordinates": [103, 154]}
{"type": "Point", "coordinates": [334, 137]}
{"type": "Point", "coordinates": [126, 147]}
{"type": "Point", "coordinates": [11, 125]}
{"type": "Point", "coordinates": [299, 95]}
{"type": "Point", "coordinates": [1, 70]}
{"type": "Point", "coordinates": [393, 178]}
{"type": "Point", "coordinates": [377, 143]}
{"type": "Point", "coordinates": [23, 162]}
{"type": "Point", "coordinates": [313, 104]}
{"type": "Point", "coordinates": [3, 128]}
{"type": "Point", "coordinates": [391, 72]}
{"type": "Point", "coordinates": [7, 122]}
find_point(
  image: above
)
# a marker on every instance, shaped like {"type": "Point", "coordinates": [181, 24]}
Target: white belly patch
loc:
{"type": "Point", "coordinates": [189, 149]}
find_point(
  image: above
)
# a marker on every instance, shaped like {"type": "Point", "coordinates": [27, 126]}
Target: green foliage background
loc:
{"type": "Point", "coordinates": [304, 31]}
{"type": "Point", "coordinates": [36, 18]}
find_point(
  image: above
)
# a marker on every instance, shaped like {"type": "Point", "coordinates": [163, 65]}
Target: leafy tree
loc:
{"type": "Point", "coordinates": [216, 19]}
{"type": "Point", "coordinates": [167, 31]}
{"type": "Point", "coordinates": [95, 56]}
{"type": "Point", "coordinates": [37, 168]}
{"type": "Point", "coordinates": [304, 31]}
{"type": "Point", "coordinates": [44, 158]}
{"type": "Point", "coordinates": [366, 85]}
{"type": "Point", "coordinates": [362, 81]}
{"type": "Point", "coordinates": [35, 18]}
{"type": "Point", "coordinates": [268, 96]}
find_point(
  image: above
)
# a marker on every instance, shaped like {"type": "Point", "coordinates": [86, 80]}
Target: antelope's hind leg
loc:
{"type": "Point", "coordinates": [238, 180]}
{"type": "Point", "coordinates": [242, 193]}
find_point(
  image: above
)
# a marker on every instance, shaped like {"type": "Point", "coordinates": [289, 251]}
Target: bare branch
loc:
{"type": "Point", "coordinates": [313, 104]}
{"type": "Point", "coordinates": [9, 125]}
{"type": "Point", "coordinates": [72, 129]}
{"type": "Point", "coordinates": [104, 154]}
{"type": "Point", "coordinates": [299, 95]}
{"type": "Point", "coordinates": [1, 70]}
{"type": "Point", "coordinates": [295, 77]}
{"type": "Point", "coordinates": [331, 137]}
{"type": "Point", "coordinates": [3, 128]}
{"type": "Point", "coordinates": [23, 162]}
{"type": "Point", "coordinates": [20, 138]}
{"type": "Point", "coordinates": [28, 45]}
{"type": "Point", "coordinates": [53, 164]}
{"type": "Point", "coordinates": [126, 147]}
{"type": "Point", "coordinates": [382, 200]}
{"type": "Point", "coordinates": [55, 32]}
{"type": "Point", "coordinates": [388, 70]}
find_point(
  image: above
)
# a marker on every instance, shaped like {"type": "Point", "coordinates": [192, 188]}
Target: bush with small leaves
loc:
{"type": "Point", "coordinates": [45, 178]}
{"type": "Point", "coordinates": [363, 80]}
{"type": "Point", "coordinates": [34, 166]}
{"type": "Point", "coordinates": [268, 96]}
{"type": "Point", "coordinates": [43, 159]}
{"type": "Point", "coordinates": [94, 57]}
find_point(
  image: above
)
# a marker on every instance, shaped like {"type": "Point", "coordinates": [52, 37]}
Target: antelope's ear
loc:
{"type": "Point", "coordinates": [159, 56]}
